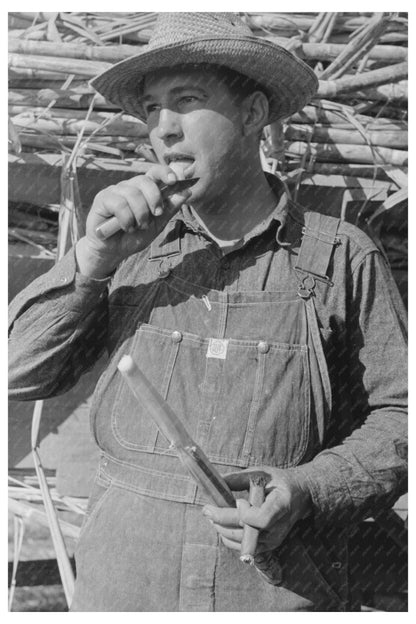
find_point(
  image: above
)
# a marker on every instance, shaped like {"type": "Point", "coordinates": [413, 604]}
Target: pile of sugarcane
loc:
{"type": "Point", "coordinates": [356, 126]}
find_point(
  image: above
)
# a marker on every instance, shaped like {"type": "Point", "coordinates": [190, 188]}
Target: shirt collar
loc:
{"type": "Point", "coordinates": [278, 216]}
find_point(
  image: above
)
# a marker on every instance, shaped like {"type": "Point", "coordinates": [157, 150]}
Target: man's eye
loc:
{"type": "Point", "coordinates": [151, 108]}
{"type": "Point", "coordinates": [188, 99]}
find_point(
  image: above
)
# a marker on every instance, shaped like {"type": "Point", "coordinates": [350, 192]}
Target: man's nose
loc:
{"type": "Point", "coordinates": [169, 124]}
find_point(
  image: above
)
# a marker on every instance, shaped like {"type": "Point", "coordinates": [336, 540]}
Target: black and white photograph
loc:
{"type": "Point", "coordinates": [208, 295]}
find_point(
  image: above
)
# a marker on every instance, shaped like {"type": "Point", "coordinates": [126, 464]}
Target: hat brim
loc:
{"type": "Point", "coordinates": [289, 82]}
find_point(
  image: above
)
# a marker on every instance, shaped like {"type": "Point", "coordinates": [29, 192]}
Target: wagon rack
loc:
{"type": "Point", "coordinates": [346, 152]}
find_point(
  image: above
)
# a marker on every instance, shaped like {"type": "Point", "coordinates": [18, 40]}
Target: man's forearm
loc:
{"type": "Point", "coordinates": [367, 472]}
{"type": "Point", "coordinates": [58, 327]}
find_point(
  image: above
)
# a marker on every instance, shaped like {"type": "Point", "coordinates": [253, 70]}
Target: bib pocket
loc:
{"type": "Point", "coordinates": [247, 408]}
{"type": "Point", "coordinates": [261, 413]}
{"type": "Point", "coordinates": [155, 353]}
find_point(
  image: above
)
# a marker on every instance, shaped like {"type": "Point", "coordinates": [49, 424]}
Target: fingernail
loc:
{"type": "Point", "coordinates": [158, 212]}
{"type": "Point", "coordinates": [171, 177]}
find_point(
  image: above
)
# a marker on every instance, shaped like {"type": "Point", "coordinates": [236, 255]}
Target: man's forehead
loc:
{"type": "Point", "coordinates": [187, 75]}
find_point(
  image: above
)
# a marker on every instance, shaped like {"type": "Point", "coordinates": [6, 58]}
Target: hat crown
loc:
{"type": "Point", "coordinates": [179, 27]}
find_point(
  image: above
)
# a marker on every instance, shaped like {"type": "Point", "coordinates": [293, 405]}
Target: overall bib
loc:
{"type": "Point", "coordinates": [246, 373]}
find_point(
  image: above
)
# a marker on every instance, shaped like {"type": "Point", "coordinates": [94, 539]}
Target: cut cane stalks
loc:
{"type": "Point", "coordinates": [258, 481]}
{"type": "Point", "coordinates": [190, 454]}
{"type": "Point", "coordinates": [383, 137]}
{"type": "Point", "coordinates": [341, 152]}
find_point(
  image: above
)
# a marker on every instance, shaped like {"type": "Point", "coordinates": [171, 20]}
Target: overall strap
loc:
{"type": "Point", "coordinates": [318, 241]}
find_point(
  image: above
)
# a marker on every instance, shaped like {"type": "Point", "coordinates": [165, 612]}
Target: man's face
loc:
{"type": "Point", "coordinates": [194, 122]}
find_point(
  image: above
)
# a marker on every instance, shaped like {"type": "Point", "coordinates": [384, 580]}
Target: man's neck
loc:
{"type": "Point", "coordinates": [236, 213]}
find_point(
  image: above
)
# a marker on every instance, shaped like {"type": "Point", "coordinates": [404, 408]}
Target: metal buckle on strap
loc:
{"type": "Point", "coordinates": [307, 287]}
{"type": "Point", "coordinates": [164, 271]}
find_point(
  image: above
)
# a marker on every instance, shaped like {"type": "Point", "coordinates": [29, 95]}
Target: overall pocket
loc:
{"type": "Point", "coordinates": [259, 412]}
{"type": "Point", "coordinates": [154, 351]}
{"type": "Point", "coordinates": [251, 407]}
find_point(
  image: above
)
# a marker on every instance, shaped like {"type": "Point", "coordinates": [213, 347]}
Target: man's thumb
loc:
{"type": "Point", "coordinates": [239, 481]}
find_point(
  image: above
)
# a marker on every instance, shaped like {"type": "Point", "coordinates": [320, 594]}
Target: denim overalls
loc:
{"type": "Point", "coordinates": [246, 373]}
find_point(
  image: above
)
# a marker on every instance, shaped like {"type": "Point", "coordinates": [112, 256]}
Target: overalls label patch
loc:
{"type": "Point", "coordinates": [217, 348]}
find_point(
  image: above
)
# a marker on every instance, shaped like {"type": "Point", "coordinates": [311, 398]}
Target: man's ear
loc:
{"type": "Point", "coordinates": [255, 113]}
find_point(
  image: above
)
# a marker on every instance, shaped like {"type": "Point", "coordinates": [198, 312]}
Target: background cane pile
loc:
{"type": "Point", "coordinates": [354, 134]}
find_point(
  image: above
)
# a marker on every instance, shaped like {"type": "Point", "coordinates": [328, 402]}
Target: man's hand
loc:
{"type": "Point", "coordinates": [287, 501]}
{"type": "Point", "coordinates": [138, 206]}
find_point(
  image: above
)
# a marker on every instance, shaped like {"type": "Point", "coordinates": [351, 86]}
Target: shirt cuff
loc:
{"type": "Point", "coordinates": [330, 495]}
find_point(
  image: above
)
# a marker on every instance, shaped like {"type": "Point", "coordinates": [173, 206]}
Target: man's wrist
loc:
{"type": "Point", "coordinates": [90, 264]}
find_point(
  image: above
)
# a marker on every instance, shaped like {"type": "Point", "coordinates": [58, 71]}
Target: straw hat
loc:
{"type": "Point", "coordinates": [214, 38]}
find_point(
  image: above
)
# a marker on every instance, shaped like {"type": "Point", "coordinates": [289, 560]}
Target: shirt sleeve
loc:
{"type": "Point", "coordinates": [57, 331]}
{"type": "Point", "coordinates": [367, 471]}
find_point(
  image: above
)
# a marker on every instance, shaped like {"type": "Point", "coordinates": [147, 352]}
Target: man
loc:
{"type": "Point", "coordinates": [276, 336]}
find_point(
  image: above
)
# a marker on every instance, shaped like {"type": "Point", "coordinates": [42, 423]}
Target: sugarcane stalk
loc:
{"type": "Point", "coordinates": [358, 47]}
{"type": "Point", "coordinates": [17, 33]}
{"type": "Point", "coordinates": [33, 512]}
{"type": "Point", "coordinates": [17, 81]}
{"type": "Point", "coordinates": [320, 117]}
{"type": "Point", "coordinates": [27, 73]}
{"type": "Point", "coordinates": [42, 141]}
{"type": "Point", "coordinates": [397, 92]}
{"type": "Point", "coordinates": [392, 37]}
{"type": "Point", "coordinates": [193, 458]}
{"type": "Point", "coordinates": [65, 113]}
{"type": "Point", "coordinates": [330, 51]}
{"type": "Point", "coordinates": [56, 64]}
{"type": "Point", "coordinates": [326, 152]}
{"type": "Point", "coordinates": [109, 54]}
{"type": "Point", "coordinates": [65, 126]}
{"type": "Point", "coordinates": [293, 22]}
{"type": "Point", "coordinates": [393, 73]}
{"type": "Point", "coordinates": [133, 166]}
{"type": "Point", "coordinates": [387, 138]}
{"type": "Point", "coordinates": [322, 27]}
{"type": "Point", "coordinates": [65, 569]}
{"type": "Point", "coordinates": [70, 98]}
{"type": "Point", "coordinates": [258, 481]}
{"type": "Point", "coordinates": [354, 171]}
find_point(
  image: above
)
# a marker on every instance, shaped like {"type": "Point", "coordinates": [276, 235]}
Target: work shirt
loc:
{"type": "Point", "coordinates": [314, 383]}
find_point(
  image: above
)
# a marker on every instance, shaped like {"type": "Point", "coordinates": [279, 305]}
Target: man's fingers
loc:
{"type": "Point", "coordinates": [150, 193]}
{"type": "Point", "coordinates": [226, 516]}
{"type": "Point", "coordinates": [113, 203]}
{"type": "Point", "coordinates": [235, 535]}
{"type": "Point", "coordinates": [239, 481]}
{"type": "Point", "coordinates": [267, 514]}
{"type": "Point", "coordinates": [174, 202]}
{"type": "Point", "coordinates": [231, 544]}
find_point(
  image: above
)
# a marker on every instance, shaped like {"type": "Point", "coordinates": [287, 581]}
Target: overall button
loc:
{"type": "Point", "coordinates": [176, 336]}
{"type": "Point", "coordinates": [263, 346]}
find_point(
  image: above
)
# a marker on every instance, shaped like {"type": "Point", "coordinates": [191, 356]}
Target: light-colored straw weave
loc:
{"type": "Point", "coordinates": [215, 38]}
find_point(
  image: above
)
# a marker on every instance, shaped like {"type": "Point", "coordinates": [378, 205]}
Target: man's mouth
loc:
{"type": "Point", "coordinates": [180, 157]}
{"type": "Point", "coordinates": [181, 162]}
